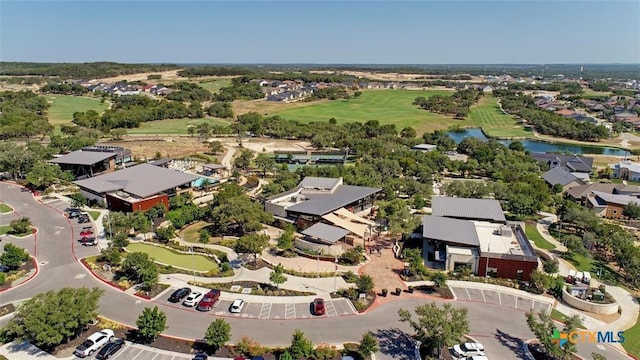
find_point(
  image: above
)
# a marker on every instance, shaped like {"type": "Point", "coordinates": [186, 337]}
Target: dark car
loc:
{"type": "Point", "coordinates": [179, 295]}
{"type": "Point", "coordinates": [88, 241]}
{"type": "Point", "coordinates": [74, 214]}
{"type": "Point", "coordinates": [200, 357]}
{"type": "Point", "coordinates": [111, 348]}
{"type": "Point", "coordinates": [317, 307]}
{"type": "Point", "coordinates": [208, 300]}
{"type": "Point", "coordinates": [83, 220]}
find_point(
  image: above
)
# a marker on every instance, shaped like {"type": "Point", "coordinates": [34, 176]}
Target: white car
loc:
{"type": "Point", "coordinates": [94, 343]}
{"type": "Point", "coordinates": [467, 350]}
{"type": "Point", "coordinates": [193, 299]}
{"type": "Point", "coordinates": [476, 357]}
{"type": "Point", "coordinates": [236, 306]}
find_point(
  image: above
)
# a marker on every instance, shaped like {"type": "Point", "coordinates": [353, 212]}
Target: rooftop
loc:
{"type": "Point", "coordinates": [80, 157]}
{"type": "Point", "coordinates": [570, 162]}
{"type": "Point", "coordinates": [558, 175]}
{"type": "Point", "coordinates": [319, 183]}
{"type": "Point", "coordinates": [632, 166]}
{"type": "Point", "coordinates": [500, 239]}
{"type": "Point", "coordinates": [603, 198]}
{"type": "Point", "coordinates": [464, 208]}
{"type": "Point", "coordinates": [142, 180]}
{"type": "Point", "coordinates": [326, 233]}
{"type": "Point", "coordinates": [449, 230]}
{"type": "Point", "coordinates": [320, 203]}
{"type": "Point", "coordinates": [581, 191]}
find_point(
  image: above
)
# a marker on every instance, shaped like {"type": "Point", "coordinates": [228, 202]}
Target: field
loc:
{"type": "Point", "coordinates": [63, 106]}
{"type": "Point", "coordinates": [172, 126]}
{"type": "Point", "coordinates": [166, 256]}
{"type": "Point", "coordinates": [386, 106]}
{"type": "Point", "coordinates": [532, 234]}
{"type": "Point", "coordinates": [214, 85]}
{"type": "Point", "coordinates": [487, 115]}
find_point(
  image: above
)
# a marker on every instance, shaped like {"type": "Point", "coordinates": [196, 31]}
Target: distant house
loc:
{"type": "Point", "coordinates": [424, 147]}
{"type": "Point", "coordinates": [626, 170]}
{"type": "Point", "coordinates": [580, 193]}
{"type": "Point", "coordinates": [609, 205]}
{"type": "Point", "coordinates": [487, 89]}
{"type": "Point", "coordinates": [571, 163]}
{"type": "Point", "coordinates": [558, 175]}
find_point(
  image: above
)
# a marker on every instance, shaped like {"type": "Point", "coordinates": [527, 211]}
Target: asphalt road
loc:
{"type": "Point", "coordinates": [498, 327]}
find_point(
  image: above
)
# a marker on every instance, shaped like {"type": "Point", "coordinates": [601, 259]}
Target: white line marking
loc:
{"type": "Point", "coordinates": [331, 309]}
{"type": "Point", "coordinates": [516, 301]}
{"type": "Point", "coordinates": [467, 290]}
{"type": "Point", "coordinates": [533, 302]}
{"type": "Point", "coordinates": [140, 352]}
{"type": "Point", "coordinates": [289, 311]}
{"type": "Point", "coordinates": [265, 311]}
{"type": "Point", "coordinates": [499, 298]}
{"type": "Point", "coordinates": [483, 298]}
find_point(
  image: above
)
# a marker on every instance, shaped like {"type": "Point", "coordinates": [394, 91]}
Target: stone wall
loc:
{"type": "Point", "coordinates": [605, 309]}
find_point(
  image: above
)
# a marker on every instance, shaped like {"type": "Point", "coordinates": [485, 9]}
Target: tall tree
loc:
{"type": "Point", "coordinates": [140, 268]}
{"type": "Point", "coordinates": [301, 347]}
{"type": "Point", "coordinates": [543, 326]}
{"type": "Point", "coordinates": [277, 275]}
{"type": "Point", "coordinates": [218, 333]}
{"type": "Point", "coordinates": [151, 323]}
{"type": "Point", "coordinates": [368, 345]}
{"type": "Point", "coordinates": [13, 256]}
{"type": "Point", "coordinates": [437, 326]}
{"type": "Point", "coordinates": [252, 244]}
{"type": "Point", "coordinates": [216, 147]}
{"type": "Point", "coordinates": [265, 163]}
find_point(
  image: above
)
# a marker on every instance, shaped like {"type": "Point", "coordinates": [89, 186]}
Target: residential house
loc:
{"type": "Point", "coordinates": [580, 193]}
{"type": "Point", "coordinates": [558, 175]}
{"type": "Point", "coordinates": [572, 163]}
{"type": "Point", "coordinates": [626, 170]}
{"type": "Point", "coordinates": [424, 147]}
{"type": "Point", "coordinates": [609, 205]}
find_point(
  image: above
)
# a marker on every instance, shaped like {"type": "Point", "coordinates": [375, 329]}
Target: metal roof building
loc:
{"type": "Point", "coordinates": [468, 209]}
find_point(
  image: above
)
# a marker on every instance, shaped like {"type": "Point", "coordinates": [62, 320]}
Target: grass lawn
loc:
{"type": "Point", "coordinates": [63, 106]}
{"type": "Point", "coordinates": [487, 115]}
{"type": "Point", "coordinates": [632, 340]}
{"type": "Point", "coordinates": [172, 126]}
{"type": "Point", "coordinates": [94, 214]}
{"type": "Point", "coordinates": [4, 229]}
{"type": "Point", "coordinates": [214, 85]}
{"type": "Point", "coordinates": [532, 234]}
{"type": "Point", "coordinates": [166, 256]}
{"type": "Point", "coordinates": [4, 209]}
{"type": "Point", "coordinates": [192, 232]}
{"type": "Point", "coordinates": [386, 106]}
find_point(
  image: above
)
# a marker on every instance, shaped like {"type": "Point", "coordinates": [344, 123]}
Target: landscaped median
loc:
{"type": "Point", "coordinates": [5, 209]}
{"type": "Point", "coordinates": [165, 256]}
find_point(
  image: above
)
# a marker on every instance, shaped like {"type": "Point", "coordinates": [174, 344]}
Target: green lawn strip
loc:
{"type": "Point", "coordinates": [214, 85]}
{"type": "Point", "coordinates": [386, 106]}
{"type": "Point", "coordinates": [172, 126]}
{"type": "Point", "coordinates": [532, 234]}
{"type": "Point", "coordinates": [4, 209]}
{"type": "Point", "coordinates": [94, 214]}
{"type": "Point", "coordinates": [63, 106]}
{"type": "Point", "coordinates": [632, 340]}
{"type": "Point", "coordinates": [192, 232]}
{"type": "Point", "coordinates": [487, 115]}
{"type": "Point", "coordinates": [559, 316]}
{"type": "Point", "coordinates": [4, 229]}
{"type": "Point", "coordinates": [166, 256]}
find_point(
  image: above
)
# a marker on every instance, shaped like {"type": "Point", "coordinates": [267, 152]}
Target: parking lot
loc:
{"type": "Point", "coordinates": [501, 298]}
{"type": "Point", "coordinates": [138, 352]}
{"type": "Point", "coordinates": [80, 250]}
{"type": "Point", "coordinates": [299, 309]}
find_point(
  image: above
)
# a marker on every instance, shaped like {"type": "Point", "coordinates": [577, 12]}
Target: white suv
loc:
{"type": "Point", "coordinates": [94, 342]}
{"type": "Point", "coordinates": [467, 350]}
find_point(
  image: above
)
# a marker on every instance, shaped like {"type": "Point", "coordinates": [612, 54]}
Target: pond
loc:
{"type": "Point", "coordinates": [542, 146]}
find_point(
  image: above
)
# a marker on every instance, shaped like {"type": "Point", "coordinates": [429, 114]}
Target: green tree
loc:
{"type": "Point", "coordinates": [218, 333]}
{"type": "Point", "coordinates": [13, 256]}
{"type": "Point", "coordinates": [286, 355]}
{"type": "Point", "coordinates": [151, 323]}
{"type": "Point", "coordinates": [118, 134]}
{"type": "Point", "coordinates": [632, 210]}
{"type": "Point", "coordinates": [277, 275]}
{"type": "Point", "coordinates": [112, 255]}
{"type": "Point", "coordinates": [52, 318]}
{"type": "Point", "coordinates": [368, 345]}
{"type": "Point", "coordinates": [166, 233]}
{"type": "Point", "coordinates": [439, 278]}
{"type": "Point", "coordinates": [20, 226]}
{"type": "Point", "coordinates": [216, 147]}
{"type": "Point", "coordinates": [43, 175]}
{"type": "Point", "coordinates": [252, 244]}
{"type": "Point", "coordinates": [243, 160]}
{"type": "Point", "coordinates": [139, 267]}
{"type": "Point", "coordinates": [364, 283]}
{"type": "Point", "coordinates": [408, 133]}
{"type": "Point", "coordinates": [204, 236]}
{"type": "Point", "coordinates": [265, 163]}
{"type": "Point", "coordinates": [437, 326]}
{"type": "Point", "coordinates": [301, 347]}
{"type": "Point", "coordinates": [285, 242]}
{"type": "Point", "coordinates": [543, 326]}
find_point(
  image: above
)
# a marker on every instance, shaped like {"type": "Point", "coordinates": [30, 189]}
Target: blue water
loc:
{"type": "Point", "coordinates": [200, 181]}
{"type": "Point", "coordinates": [541, 146]}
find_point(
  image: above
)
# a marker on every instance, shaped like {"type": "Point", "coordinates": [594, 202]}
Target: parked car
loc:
{"type": "Point", "coordinates": [83, 220]}
{"type": "Point", "coordinates": [86, 232]}
{"type": "Point", "coordinates": [111, 348]}
{"type": "Point", "coordinates": [467, 349]}
{"type": "Point", "coordinates": [74, 214]}
{"type": "Point", "coordinates": [200, 357]}
{"type": "Point", "coordinates": [236, 306]}
{"type": "Point", "coordinates": [571, 277]}
{"type": "Point", "coordinates": [192, 299]}
{"type": "Point", "coordinates": [179, 294]}
{"type": "Point", "coordinates": [88, 241]}
{"type": "Point", "coordinates": [476, 357]}
{"type": "Point", "coordinates": [208, 300]}
{"type": "Point", "coordinates": [586, 278]}
{"type": "Point", "coordinates": [94, 342]}
{"type": "Point", "coordinates": [317, 307]}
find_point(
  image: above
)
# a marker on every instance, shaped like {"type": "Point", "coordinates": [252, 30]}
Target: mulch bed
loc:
{"type": "Point", "coordinates": [255, 265]}
{"type": "Point", "coordinates": [26, 268]}
{"type": "Point", "coordinates": [7, 309]}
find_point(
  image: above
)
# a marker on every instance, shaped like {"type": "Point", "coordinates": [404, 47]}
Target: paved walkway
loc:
{"type": "Point", "coordinates": [383, 267]}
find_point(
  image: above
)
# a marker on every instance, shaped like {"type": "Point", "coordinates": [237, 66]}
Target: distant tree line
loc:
{"type": "Point", "coordinates": [186, 91]}
{"type": "Point", "coordinates": [331, 93]}
{"type": "Point", "coordinates": [23, 115]}
{"type": "Point", "coordinates": [457, 104]}
{"type": "Point", "coordinates": [565, 88]}
{"type": "Point", "coordinates": [81, 70]}
{"type": "Point", "coordinates": [253, 73]}
{"type": "Point", "coordinates": [547, 122]}
{"type": "Point", "coordinates": [64, 89]}
{"type": "Point", "coordinates": [240, 88]}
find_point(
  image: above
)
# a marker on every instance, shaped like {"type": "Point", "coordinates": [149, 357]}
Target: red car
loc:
{"type": "Point", "coordinates": [208, 300]}
{"type": "Point", "coordinates": [86, 233]}
{"type": "Point", "coordinates": [317, 307]}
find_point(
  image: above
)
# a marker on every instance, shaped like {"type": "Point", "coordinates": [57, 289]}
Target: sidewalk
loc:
{"type": "Point", "coordinates": [26, 351]}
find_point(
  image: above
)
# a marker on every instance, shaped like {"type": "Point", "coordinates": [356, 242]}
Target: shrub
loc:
{"type": "Point", "coordinates": [353, 256]}
{"type": "Point", "coordinates": [325, 352]}
{"type": "Point", "coordinates": [2, 278]}
{"type": "Point", "coordinates": [550, 266]}
{"type": "Point", "coordinates": [350, 276]}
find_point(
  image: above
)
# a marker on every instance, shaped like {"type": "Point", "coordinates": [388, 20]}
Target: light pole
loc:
{"type": "Point", "coordinates": [335, 274]}
{"type": "Point", "coordinates": [109, 222]}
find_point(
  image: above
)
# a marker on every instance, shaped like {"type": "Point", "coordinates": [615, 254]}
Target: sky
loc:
{"type": "Point", "coordinates": [322, 32]}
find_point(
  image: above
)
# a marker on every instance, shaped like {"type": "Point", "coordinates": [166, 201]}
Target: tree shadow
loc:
{"type": "Point", "coordinates": [395, 343]}
{"type": "Point", "coordinates": [512, 343]}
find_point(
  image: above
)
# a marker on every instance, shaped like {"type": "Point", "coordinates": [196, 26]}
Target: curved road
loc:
{"type": "Point", "coordinates": [499, 328]}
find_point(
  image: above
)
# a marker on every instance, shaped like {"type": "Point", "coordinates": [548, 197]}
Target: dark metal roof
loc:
{"type": "Point", "coordinates": [477, 209]}
{"type": "Point", "coordinates": [558, 175]}
{"type": "Point", "coordinates": [326, 233]}
{"type": "Point", "coordinates": [141, 180]}
{"type": "Point", "coordinates": [572, 163]}
{"type": "Point", "coordinates": [450, 230]}
{"type": "Point", "coordinates": [318, 182]}
{"type": "Point", "coordinates": [325, 202]}
{"type": "Point", "coordinates": [83, 157]}
{"type": "Point", "coordinates": [160, 162]}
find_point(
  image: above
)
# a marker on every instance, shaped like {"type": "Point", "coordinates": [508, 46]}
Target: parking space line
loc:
{"type": "Point", "coordinates": [289, 311]}
{"type": "Point", "coordinates": [483, 298]}
{"type": "Point", "coordinates": [153, 358]}
{"type": "Point", "coordinates": [331, 308]}
{"type": "Point", "coordinates": [265, 311]}
{"type": "Point", "coordinates": [499, 298]}
{"type": "Point", "coordinates": [119, 353]}
{"type": "Point", "coordinates": [516, 306]}
{"type": "Point", "coordinates": [140, 352]}
{"type": "Point", "coordinates": [467, 290]}
{"type": "Point", "coordinates": [533, 303]}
